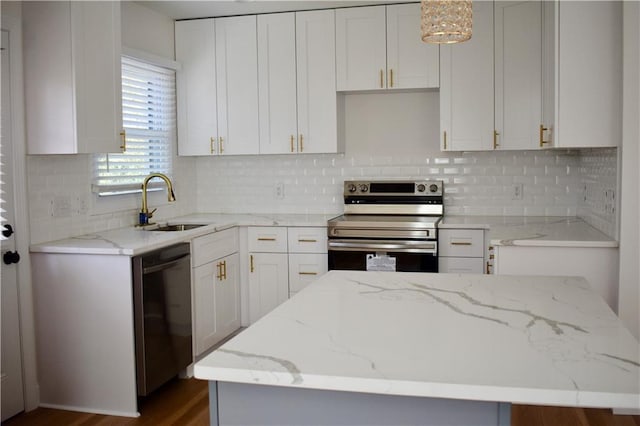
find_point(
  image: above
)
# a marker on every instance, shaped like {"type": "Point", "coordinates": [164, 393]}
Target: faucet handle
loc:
{"type": "Point", "coordinates": [150, 214]}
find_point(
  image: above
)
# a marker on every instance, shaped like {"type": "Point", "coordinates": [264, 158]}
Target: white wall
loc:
{"type": "Point", "coordinates": [629, 291]}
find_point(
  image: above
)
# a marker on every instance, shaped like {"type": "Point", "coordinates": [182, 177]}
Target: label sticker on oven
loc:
{"type": "Point", "coordinates": [380, 262]}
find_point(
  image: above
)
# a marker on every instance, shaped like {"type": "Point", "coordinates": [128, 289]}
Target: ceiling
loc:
{"type": "Point", "coordinates": [187, 9]}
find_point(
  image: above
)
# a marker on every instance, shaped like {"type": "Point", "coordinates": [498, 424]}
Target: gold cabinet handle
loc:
{"type": "Point", "coordinates": [224, 270]}
{"type": "Point", "coordinates": [445, 139]}
{"type": "Point", "coordinates": [251, 263]}
{"type": "Point", "coordinates": [460, 243]}
{"type": "Point", "coordinates": [266, 239]}
{"type": "Point", "coordinates": [301, 143]}
{"type": "Point", "coordinates": [495, 139]}
{"type": "Point", "coordinates": [542, 130]}
{"type": "Point", "coordinates": [292, 137]}
{"type": "Point", "coordinates": [391, 77]}
{"type": "Point", "coordinates": [221, 143]}
{"type": "Point", "coordinates": [307, 273]}
{"type": "Point", "coordinates": [382, 79]}
{"type": "Point", "coordinates": [123, 138]}
{"type": "Point", "coordinates": [219, 273]}
{"type": "Point", "coordinates": [303, 240]}
{"type": "Point", "coordinates": [212, 145]}
{"type": "Point", "coordinates": [488, 268]}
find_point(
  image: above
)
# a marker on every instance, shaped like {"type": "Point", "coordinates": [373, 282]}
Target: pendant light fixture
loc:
{"type": "Point", "coordinates": [446, 21]}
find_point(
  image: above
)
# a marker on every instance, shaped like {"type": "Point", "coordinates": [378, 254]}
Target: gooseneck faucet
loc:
{"type": "Point", "coordinates": [145, 214]}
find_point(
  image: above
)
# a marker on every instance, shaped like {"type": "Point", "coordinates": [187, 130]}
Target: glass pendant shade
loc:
{"type": "Point", "coordinates": [446, 21]}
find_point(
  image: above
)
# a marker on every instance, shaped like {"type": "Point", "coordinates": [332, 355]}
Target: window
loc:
{"type": "Point", "coordinates": [149, 119]}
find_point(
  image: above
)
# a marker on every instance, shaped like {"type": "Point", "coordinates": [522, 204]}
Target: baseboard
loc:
{"type": "Point", "coordinates": [626, 411]}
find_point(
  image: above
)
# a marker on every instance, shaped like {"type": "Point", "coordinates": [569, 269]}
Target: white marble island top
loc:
{"type": "Point", "coordinates": [530, 340]}
{"type": "Point", "coordinates": [538, 231]}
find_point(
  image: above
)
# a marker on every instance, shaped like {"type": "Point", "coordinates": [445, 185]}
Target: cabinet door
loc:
{"type": "Point", "coordinates": [196, 87]}
{"type": "Point", "coordinates": [466, 87]}
{"type": "Point", "coordinates": [227, 296]}
{"type": "Point", "coordinates": [411, 63]}
{"type": "Point", "coordinates": [316, 71]}
{"type": "Point", "coordinates": [304, 268]}
{"type": "Point", "coordinates": [268, 283]}
{"type": "Point", "coordinates": [589, 72]}
{"type": "Point", "coordinates": [95, 28]}
{"type": "Point", "coordinates": [73, 87]}
{"type": "Point", "coordinates": [237, 85]}
{"type": "Point", "coordinates": [204, 314]}
{"type": "Point", "coordinates": [361, 48]}
{"type": "Point", "coordinates": [277, 83]}
{"type": "Point", "coordinates": [518, 73]}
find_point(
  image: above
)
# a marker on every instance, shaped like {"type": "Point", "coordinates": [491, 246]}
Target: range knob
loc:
{"type": "Point", "coordinates": [351, 187]}
{"type": "Point", "coordinates": [421, 188]}
{"type": "Point", "coordinates": [433, 188]}
{"type": "Point", "coordinates": [364, 188]}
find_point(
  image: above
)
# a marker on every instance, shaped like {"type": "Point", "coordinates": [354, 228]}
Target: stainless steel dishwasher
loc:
{"type": "Point", "coordinates": [162, 314]}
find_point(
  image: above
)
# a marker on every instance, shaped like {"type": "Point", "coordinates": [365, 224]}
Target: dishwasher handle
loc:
{"type": "Point", "coordinates": [163, 266]}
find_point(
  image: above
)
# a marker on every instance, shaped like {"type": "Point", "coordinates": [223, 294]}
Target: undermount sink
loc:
{"type": "Point", "coordinates": [175, 227]}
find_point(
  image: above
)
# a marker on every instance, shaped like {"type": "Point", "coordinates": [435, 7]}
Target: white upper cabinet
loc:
{"type": "Point", "coordinates": [237, 85]}
{"type": "Point", "coordinates": [466, 87]}
{"type": "Point", "coordinates": [217, 87]}
{"type": "Point", "coordinates": [277, 83]}
{"type": "Point", "coordinates": [411, 63]}
{"type": "Point", "coordinates": [379, 47]}
{"type": "Point", "coordinates": [73, 86]}
{"type": "Point", "coordinates": [361, 58]}
{"type": "Point", "coordinates": [196, 87]}
{"type": "Point", "coordinates": [296, 72]}
{"type": "Point", "coordinates": [588, 74]}
{"type": "Point", "coordinates": [518, 74]}
{"type": "Point", "coordinates": [316, 72]}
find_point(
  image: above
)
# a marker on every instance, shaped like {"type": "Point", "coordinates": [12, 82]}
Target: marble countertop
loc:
{"type": "Point", "coordinates": [540, 231]}
{"type": "Point", "coordinates": [132, 241]}
{"type": "Point", "coordinates": [528, 340]}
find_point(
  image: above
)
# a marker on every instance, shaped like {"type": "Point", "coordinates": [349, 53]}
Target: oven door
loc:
{"type": "Point", "coordinates": [402, 256]}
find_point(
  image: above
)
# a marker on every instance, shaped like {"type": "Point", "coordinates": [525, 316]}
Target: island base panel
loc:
{"type": "Point", "coordinates": [242, 404]}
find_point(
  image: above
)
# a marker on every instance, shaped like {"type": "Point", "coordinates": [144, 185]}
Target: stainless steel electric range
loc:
{"type": "Point", "coordinates": [387, 226]}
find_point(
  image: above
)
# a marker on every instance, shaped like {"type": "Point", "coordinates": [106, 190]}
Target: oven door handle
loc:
{"type": "Point", "coordinates": [398, 246]}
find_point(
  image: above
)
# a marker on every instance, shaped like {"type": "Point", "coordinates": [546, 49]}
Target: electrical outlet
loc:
{"type": "Point", "coordinates": [279, 190]}
{"type": "Point", "coordinates": [516, 193]}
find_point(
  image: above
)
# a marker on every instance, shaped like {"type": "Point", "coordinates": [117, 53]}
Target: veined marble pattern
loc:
{"type": "Point", "coordinates": [131, 241]}
{"type": "Point", "coordinates": [545, 231]}
{"type": "Point", "coordinates": [530, 340]}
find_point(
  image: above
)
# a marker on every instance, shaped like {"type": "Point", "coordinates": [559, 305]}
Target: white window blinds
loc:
{"type": "Point", "coordinates": [149, 120]}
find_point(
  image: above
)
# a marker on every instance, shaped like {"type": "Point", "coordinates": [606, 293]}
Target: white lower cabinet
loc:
{"type": "Point", "coordinates": [268, 283]}
{"type": "Point", "coordinates": [216, 288]}
{"type": "Point", "coordinates": [461, 251]}
{"type": "Point", "coordinates": [282, 261]}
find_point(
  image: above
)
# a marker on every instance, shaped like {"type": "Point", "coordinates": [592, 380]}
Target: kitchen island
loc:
{"type": "Point", "coordinates": [403, 348]}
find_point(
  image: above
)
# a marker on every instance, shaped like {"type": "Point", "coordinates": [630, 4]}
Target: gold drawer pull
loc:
{"type": "Point", "coordinates": [307, 273]}
{"type": "Point", "coordinates": [391, 78]}
{"type": "Point", "coordinates": [219, 273]}
{"type": "Point", "coordinates": [302, 240]}
{"type": "Point", "coordinates": [212, 145]}
{"type": "Point", "coordinates": [488, 268]}
{"type": "Point", "coordinates": [460, 243]}
{"type": "Point", "coordinates": [221, 144]}
{"type": "Point", "coordinates": [266, 239]}
{"type": "Point", "coordinates": [301, 143]}
{"type": "Point", "coordinates": [495, 139]}
{"type": "Point", "coordinates": [445, 140]}
{"type": "Point", "coordinates": [381, 79]}
{"type": "Point", "coordinates": [291, 140]}
{"type": "Point", "coordinates": [224, 270]}
{"type": "Point", "coordinates": [251, 263]}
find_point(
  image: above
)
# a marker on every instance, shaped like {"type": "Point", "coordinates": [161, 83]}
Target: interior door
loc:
{"type": "Point", "coordinates": [11, 371]}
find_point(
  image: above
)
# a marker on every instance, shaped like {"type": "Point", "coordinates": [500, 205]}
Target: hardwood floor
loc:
{"type": "Point", "coordinates": [186, 403]}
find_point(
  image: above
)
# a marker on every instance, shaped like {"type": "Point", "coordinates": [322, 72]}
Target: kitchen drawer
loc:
{"type": "Point", "coordinates": [461, 243]}
{"type": "Point", "coordinates": [461, 265]}
{"type": "Point", "coordinates": [267, 239]}
{"type": "Point", "coordinates": [213, 246]}
{"type": "Point", "coordinates": [305, 268]}
{"type": "Point", "coordinates": [308, 240]}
